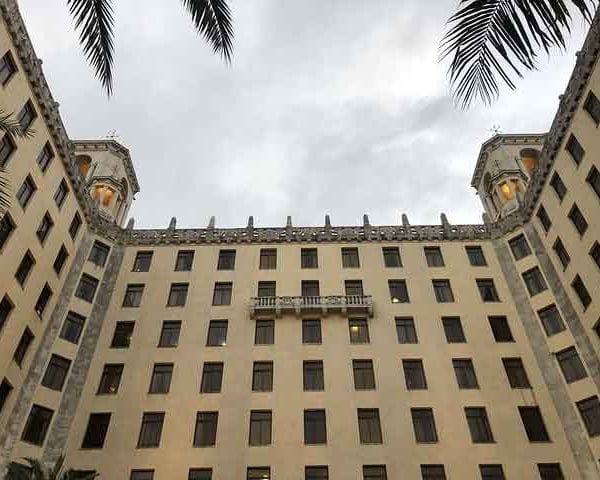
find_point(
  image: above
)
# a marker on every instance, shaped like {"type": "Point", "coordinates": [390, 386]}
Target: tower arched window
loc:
{"type": "Point", "coordinates": [84, 162]}
{"type": "Point", "coordinates": [530, 158]}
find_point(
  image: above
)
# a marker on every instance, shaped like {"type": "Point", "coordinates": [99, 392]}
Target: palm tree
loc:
{"type": "Point", "coordinates": [493, 41]}
{"type": "Point", "coordinates": [35, 471]}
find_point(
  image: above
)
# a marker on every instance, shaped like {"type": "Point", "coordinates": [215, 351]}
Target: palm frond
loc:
{"type": "Point", "coordinates": [94, 20]}
{"type": "Point", "coordinates": [493, 41]}
{"type": "Point", "coordinates": [58, 466]}
{"type": "Point", "coordinates": [212, 19]}
{"type": "Point", "coordinates": [9, 125]}
{"type": "Point", "coordinates": [4, 192]}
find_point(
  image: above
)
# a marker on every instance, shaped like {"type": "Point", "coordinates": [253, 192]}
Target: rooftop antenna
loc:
{"type": "Point", "coordinates": [113, 135]}
{"type": "Point", "coordinates": [495, 130]}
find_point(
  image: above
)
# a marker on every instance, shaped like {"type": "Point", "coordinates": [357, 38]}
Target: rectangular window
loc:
{"type": "Point", "coordinates": [268, 259]}
{"type": "Point", "coordinates": [589, 409]}
{"type": "Point", "coordinates": [56, 372]}
{"type": "Point", "coordinates": [581, 291]}
{"type": "Point", "coordinates": [479, 425]}
{"type": "Point", "coordinates": [7, 226]}
{"type": "Point", "coordinates": [258, 473]}
{"type": "Point", "coordinates": [26, 191]}
{"type": "Point", "coordinates": [515, 371]}
{"type": "Point", "coordinates": [43, 300]}
{"type": "Point", "coordinates": [519, 247]}
{"type": "Point", "coordinates": [311, 331]}
{"type": "Point", "coordinates": [544, 218]}
{"type": "Point", "coordinates": [264, 333]}
{"type": "Point", "coordinates": [262, 377]}
{"type": "Point", "coordinates": [491, 472]}
{"type": "Point", "coordinates": [45, 157]}
{"type": "Point", "coordinates": [350, 257]}
{"type": "Point", "coordinates": [369, 426]}
{"type": "Point", "coordinates": [86, 290]}
{"type": "Point", "coordinates": [217, 333]}
{"type": "Point", "coordinates": [534, 424]}
{"type": "Point", "coordinates": [75, 226]}
{"type": "Point", "coordinates": [487, 290]}
{"type": "Point", "coordinates": [453, 330]}
{"type": "Point", "coordinates": [37, 425]}
{"type": "Point", "coordinates": [315, 428]}
{"type": "Point", "coordinates": [551, 320]}
{"type": "Point", "coordinates": [5, 391]}
{"type": "Point", "coordinates": [476, 256]}
{"type": "Point", "coordinates": [405, 330]}
{"type": "Point", "coordinates": [443, 291]}
{"type": "Point", "coordinates": [595, 253]}
{"type": "Point", "coordinates": [212, 377]}
{"type": "Point", "coordinates": [260, 428]}
{"type": "Point", "coordinates": [205, 434]}
{"type": "Point", "coordinates": [433, 472]}
{"type": "Point", "coordinates": [561, 253]}
{"type": "Point", "coordinates": [593, 180]}
{"type": "Point", "coordinates": [226, 260]}
{"type": "Point", "coordinates": [7, 68]}
{"type": "Point", "coordinates": [434, 257]}
{"type": "Point", "coordinates": [558, 186]}
{"type": "Point", "coordinates": [316, 473]}
{"type": "Point", "coordinates": [162, 373]}
{"type": "Point", "coordinates": [72, 327]}
{"type": "Point", "coordinates": [151, 430]}
{"type": "Point", "coordinates": [178, 294]}
{"type": "Point", "coordinates": [60, 260]}
{"type": "Point", "coordinates": [500, 329]}
{"type": "Point", "coordinates": [571, 365]}
{"type": "Point", "coordinates": [122, 336]}
{"type": "Point", "coordinates": [200, 474]}
{"type": "Point", "coordinates": [266, 289]}
{"type": "Point", "coordinates": [44, 228]}
{"type": "Point", "coordinates": [24, 268]}
{"type": "Point", "coordinates": [359, 330]}
{"type": "Point", "coordinates": [391, 257]}
{"type": "Point", "coordinates": [578, 219]}
{"type": "Point", "coordinates": [309, 258]}
{"type": "Point", "coordinates": [23, 346]}
{"type": "Point", "coordinates": [110, 379]}
{"type": "Point", "coordinates": [592, 106]}
{"type": "Point", "coordinates": [550, 471]}
{"type": "Point", "coordinates": [185, 261]}
{"type": "Point", "coordinates": [398, 291]}
{"type": "Point", "coordinates": [364, 375]}
{"type": "Point", "coordinates": [6, 307]}
{"type": "Point", "coordinates": [61, 193]}
{"type": "Point", "coordinates": [142, 475]}
{"type": "Point", "coordinates": [313, 378]}
{"type": "Point", "coordinates": [169, 334]}
{"type": "Point", "coordinates": [27, 115]}
{"type": "Point", "coordinates": [222, 293]}
{"type": "Point", "coordinates": [96, 430]}
{"type": "Point", "coordinates": [310, 288]}
{"type": "Point", "coordinates": [374, 472]}
{"type": "Point", "coordinates": [142, 262]}
{"type": "Point", "coordinates": [7, 148]}
{"type": "Point", "coordinates": [465, 373]}
{"type": "Point", "coordinates": [99, 254]}
{"type": "Point", "coordinates": [133, 295]}
{"type": "Point", "coordinates": [534, 281]}
{"type": "Point", "coordinates": [414, 374]}
{"type": "Point", "coordinates": [575, 149]}
{"type": "Point", "coordinates": [424, 425]}
{"type": "Point", "coordinates": [353, 288]}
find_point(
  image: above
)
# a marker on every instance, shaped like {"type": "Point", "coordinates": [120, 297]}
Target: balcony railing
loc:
{"type": "Point", "coordinates": [344, 304]}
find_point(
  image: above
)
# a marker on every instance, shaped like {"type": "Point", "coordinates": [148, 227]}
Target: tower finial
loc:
{"type": "Point", "coordinates": [405, 221]}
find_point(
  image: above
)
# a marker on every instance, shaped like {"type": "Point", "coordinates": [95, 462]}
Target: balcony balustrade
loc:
{"type": "Point", "coordinates": [321, 305]}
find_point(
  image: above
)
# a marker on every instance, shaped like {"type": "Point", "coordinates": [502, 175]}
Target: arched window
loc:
{"type": "Point", "coordinates": [84, 162]}
{"type": "Point", "coordinates": [506, 191]}
{"type": "Point", "coordinates": [530, 157]}
{"type": "Point", "coordinates": [487, 181]}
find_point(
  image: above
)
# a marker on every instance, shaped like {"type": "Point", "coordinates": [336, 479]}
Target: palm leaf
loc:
{"type": "Point", "coordinates": [4, 192]}
{"type": "Point", "coordinates": [94, 20]}
{"type": "Point", "coordinates": [9, 125]}
{"type": "Point", "coordinates": [54, 474]}
{"type": "Point", "coordinates": [493, 41]}
{"type": "Point", "coordinates": [212, 19]}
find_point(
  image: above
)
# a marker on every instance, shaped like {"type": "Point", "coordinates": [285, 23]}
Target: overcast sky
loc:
{"type": "Point", "coordinates": [335, 106]}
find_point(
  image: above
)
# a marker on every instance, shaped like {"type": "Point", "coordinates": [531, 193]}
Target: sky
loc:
{"type": "Point", "coordinates": [335, 107]}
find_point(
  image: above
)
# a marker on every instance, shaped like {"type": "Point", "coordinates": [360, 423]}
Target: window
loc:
{"type": "Point", "coordinates": [350, 257]}
{"type": "Point", "coordinates": [595, 253]}
{"type": "Point", "coordinates": [309, 258]}
{"type": "Point", "coordinates": [311, 331]}
{"type": "Point", "coordinates": [544, 218]}
{"type": "Point", "coordinates": [353, 288]}
{"type": "Point", "coordinates": [561, 253]}
{"type": "Point", "coordinates": [578, 219]}
{"type": "Point", "coordinates": [200, 474]}
{"type": "Point", "coordinates": [7, 148]}
{"type": "Point", "coordinates": [487, 290]}
{"type": "Point", "coordinates": [443, 291]}
{"type": "Point", "coordinates": [453, 330]}
{"type": "Point", "coordinates": [86, 288]}
{"type": "Point", "coordinates": [558, 186]}
{"type": "Point", "coordinates": [142, 262]}
{"type": "Point", "coordinates": [178, 294]}
{"type": "Point", "coordinates": [264, 333]}
{"type": "Point", "coordinates": [185, 260]}
{"type": "Point", "coordinates": [575, 149]}
{"type": "Point", "coordinates": [56, 372]}
{"type": "Point", "coordinates": [515, 371]}
{"type": "Point", "coordinates": [414, 374]}
{"type": "Point", "coordinates": [313, 378]}
{"type": "Point", "coordinates": [268, 259]}
{"type": "Point", "coordinates": [45, 157]}
{"type": "Point", "coordinates": [133, 295]}
{"type": "Point", "coordinates": [262, 377]}
{"type": "Point", "coordinates": [7, 68]}
{"type": "Point", "coordinates": [359, 330]}
{"type": "Point", "coordinates": [122, 336]}
{"type": "Point", "coordinates": [500, 329]}
{"type": "Point", "coordinates": [60, 260]}
{"type": "Point", "coordinates": [260, 428]}
{"type": "Point", "coordinates": [491, 472]}
{"type": "Point", "coordinates": [24, 269]}
{"type": "Point", "coordinates": [315, 428]}
{"type": "Point", "coordinates": [217, 333]}
{"type": "Point", "coordinates": [61, 193]}
{"type": "Point", "coordinates": [424, 425]}
{"type": "Point", "coordinates": [434, 257]}
{"type": "Point", "coordinates": [316, 473]}
{"type": "Point", "coordinates": [6, 306]}
{"type": "Point", "coordinates": [142, 475]}
{"type": "Point", "coordinates": [110, 379]}
{"type": "Point", "coordinates": [212, 377]}
{"type": "Point", "coordinates": [37, 425]}
{"type": "Point", "coordinates": [310, 288]}
{"type": "Point", "coordinates": [592, 106]}
{"type": "Point", "coordinates": [476, 256]}
{"type": "Point", "coordinates": [226, 260]}
{"type": "Point", "coordinates": [151, 430]}
{"type": "Point", "coordinates": [534, 424]}
{"type": "Point", "coordinates": [534, 281]}
{"type": "Point", "coordinates": [26, 191]}
{"type": "Point", "coordinates": [593, 179]}
{"type": "Point", "coordinates": [433, 472]}
{"type": "Point", "coordinates": [75, 226]}
{"type": "Point", "coordinates": [465, 373]}
{"type": "Point", "coordinates": [369, 427]}
{"type": "Point", "coordinates": [550, 471]}
{"type": "Point", "coordinates": [519, 247]}
{"type": "Point", "coordinates": [364, 375]}
{"type": "Point", "coordinates": [99, 254]}
{"type": "Point", "coordinates": [42, 301]}
{"type": "Point", "coordinates": [581, 291]}
{"type": "Point", "coordinates": [258, 473]}
{"type": "Point", "coordinates": [72, 327]}
{"type": "Point", "coordinates": [551, 320]}
{"type": "Point", "coordinates": [162, 373]}
{"type": "Point", "coordinates": [96, 430]}
{"type": "Point", "coordinates": [398, 291]}
{"type": "Point", "coordinates": [571, 365]}
{"type": "Point", "coordinates": [405, 330]}
{"type": "Point", "coordinates": [27, 115]}
{"type": "Point", "coordinates": [479, 426]}
{"type": "Point", "coordinates": [374, 472]}
{"type": "Point", "coordinates": [44, 228]}
{"type": "Point", "coordinates": [589, 409]}
{"type": "Point", "coordinates": [222, 293]}
{"type": "Point", "coordinates": [266, 289]}
{"type": "Point", "coordinates": [391, 257]}
{"type": "Point", "coordinates": [7, 226]}
{"type": "Point", "coordinates": [5, 390]}
{"type": "Point", "coordinates": [23, 346]}
{"type": "Point", "coordinates": [205, 434]}
{"type": "Point", "coordinates": [169, 334]}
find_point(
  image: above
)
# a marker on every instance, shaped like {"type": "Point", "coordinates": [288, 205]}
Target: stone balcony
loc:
{"type": "Point", "coordinates": [322, 305]}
